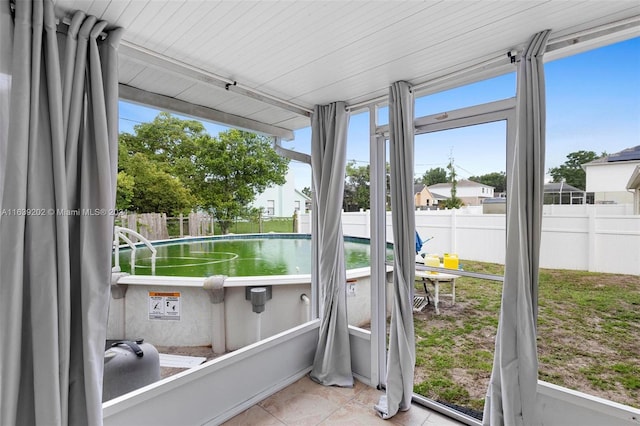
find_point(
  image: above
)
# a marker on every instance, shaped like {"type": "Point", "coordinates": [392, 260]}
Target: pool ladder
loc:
{"type": "Point", "coordinates": [124, 234]}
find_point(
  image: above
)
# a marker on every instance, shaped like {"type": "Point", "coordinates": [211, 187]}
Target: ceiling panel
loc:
{"type": "Point", "coordinates": [161, 83]}
{"type": "Point", "coordinates": [324, 51]}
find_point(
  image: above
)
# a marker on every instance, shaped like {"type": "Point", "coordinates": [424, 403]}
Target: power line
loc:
{"type": "Point", "coordinates": [132, 120]}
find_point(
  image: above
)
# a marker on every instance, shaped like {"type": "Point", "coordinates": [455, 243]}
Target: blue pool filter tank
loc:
{"type": "Point", "coordinates": [128, 365]}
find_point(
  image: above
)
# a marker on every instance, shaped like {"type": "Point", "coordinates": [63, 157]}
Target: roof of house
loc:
{"type": "Point", "coordinates": [439, 196]}
{"type": "Point", "coordinates": [629, 154]}
{"type": "Point", "coordinates": [460, 183]}
{"type": "Point", "coordinates": [303, 195]}
{"type": "Point", "coordinates": [634, 180]}
{"type": "Point", "coordinates": [418, 187]}
{"type": "Point", "coordinates": [560, 186]}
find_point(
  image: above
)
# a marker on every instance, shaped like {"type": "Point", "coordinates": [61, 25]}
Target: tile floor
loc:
{"type": "Point", "coordinates": [306, 403]}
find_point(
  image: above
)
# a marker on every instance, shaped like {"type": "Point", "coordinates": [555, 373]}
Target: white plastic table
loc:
{"type": "Point", "coordinates": [435, 279]}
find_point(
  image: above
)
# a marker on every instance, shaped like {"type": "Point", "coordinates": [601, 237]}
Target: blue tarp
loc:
{"type": "Point", "coordinates": [419, 243]}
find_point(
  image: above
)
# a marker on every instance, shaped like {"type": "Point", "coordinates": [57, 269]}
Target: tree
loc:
{"type": "Point", "coordinates": [231, 169]}
{"type": "Point", "coordinates": [496, 179]}
{"type": "Point", "coordinates": [306, 191]}
{"type": "Point", "coordinates": [453, 202]}
{"type": "Point", "coordinates": [146, 185]}
{"type": "Point", "coordinates": [158, 159]}
{"type": "Point", "coordinates": [571, 171]}
{"type": "Point", "coordinates": [434, 176]}
{"type": "Point", "coordinates": [177, 166]}
{"type": "Point", "coordinates": [167, 139]}
{"type": "Point", "coordinates": [154, 189]}
{"type": "Point", "coordinates": [124, 193]}
{"type": "Point", "coordinates": [356, 187]}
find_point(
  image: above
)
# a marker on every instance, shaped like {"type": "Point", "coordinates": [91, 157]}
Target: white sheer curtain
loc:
{"type": "Point", "coordinates": [329, 124]}
{"type": "Point", "coordinates": [402, 351]}
{"type": "Point", "coordinates": [59, 186]}
{"type": "Point", "coordinates": [511, 397]}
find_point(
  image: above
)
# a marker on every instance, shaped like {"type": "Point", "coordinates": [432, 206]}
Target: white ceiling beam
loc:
{"type": "Point", "coordinates": [157, 60]}
{"type": "Point", "coordinates": [291, 154]}
{"type": "Point", "coordinates": [593, 38]}
{"type": "Point", "coordinates": [178, 106]}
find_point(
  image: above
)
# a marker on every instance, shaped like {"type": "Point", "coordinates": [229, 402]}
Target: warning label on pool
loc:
{"type": "Point", "coordinates": [164, 306]}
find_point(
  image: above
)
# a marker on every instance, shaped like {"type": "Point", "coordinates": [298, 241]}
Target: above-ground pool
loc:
{"type": "Point", "coordinates": [238, 256]}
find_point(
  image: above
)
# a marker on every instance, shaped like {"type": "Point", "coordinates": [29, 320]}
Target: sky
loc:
{"type": "Point", "coordinates": [593, 104]}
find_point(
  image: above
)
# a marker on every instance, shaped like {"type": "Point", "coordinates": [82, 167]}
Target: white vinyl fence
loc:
{"type": "Point", "coordinates": [595, 238]}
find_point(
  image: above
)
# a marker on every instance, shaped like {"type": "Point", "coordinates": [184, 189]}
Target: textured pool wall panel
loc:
{"type": "Point", "coordinates": [196, 324]}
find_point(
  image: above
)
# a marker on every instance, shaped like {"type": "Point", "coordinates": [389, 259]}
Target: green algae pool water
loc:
{"type": "Point", "coordinates": [238, 256]}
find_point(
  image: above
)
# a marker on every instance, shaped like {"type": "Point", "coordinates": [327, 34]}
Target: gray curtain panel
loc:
{"type": "Point", "coordinates": [329, 124]}
{"type": "Point", "coordinates": [6, 44]}
{"type": "Point", "coordinates": [402, 352]}
{"type": "Point", "coordinates": [511, 397]}
{"type": "Point", "coordinates": [56, 230]}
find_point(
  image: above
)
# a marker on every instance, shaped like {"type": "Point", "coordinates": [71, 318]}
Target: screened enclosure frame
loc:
{"type": "Point", "coordinates": [502, 110]}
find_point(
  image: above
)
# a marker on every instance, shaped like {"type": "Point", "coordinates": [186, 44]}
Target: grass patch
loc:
{"type": "Point", "coordinates": [280, 225]}
{"type": "Point", "coordinates": [588, 336]}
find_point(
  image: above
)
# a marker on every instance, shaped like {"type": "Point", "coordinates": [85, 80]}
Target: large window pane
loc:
{"type": "Point", "coordinates": [455, 343]}
{"type": "Point", "coordinates": [589, 318]}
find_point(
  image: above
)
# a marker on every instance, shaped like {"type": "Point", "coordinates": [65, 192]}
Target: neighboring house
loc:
{"type": "Point", "coordinates": [471, 193]}
{"type": "Point", "coordinates": [563, 193]}
{"type": "Point", "coordinates": [634, 186]}
{"type": "Point", "coordinates": [282, 200]}
{"type": "Point", "coordinates": [423, 198]}
{"type": "Point", "coordinates": [609, 177]}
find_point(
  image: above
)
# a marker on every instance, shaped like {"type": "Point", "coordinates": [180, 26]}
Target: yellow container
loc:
{"type": "Point", "coordinates": [432, 260]}
{"type": "Point", "coordinates": [451, 261]}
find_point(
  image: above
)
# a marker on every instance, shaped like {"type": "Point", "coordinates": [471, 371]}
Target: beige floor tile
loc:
{"type": "Point", "coordinates": [437, 419]}
{"type": "Point", "coordinates": [254, 416]}
{"type": "Point", "coordinates": [303, 403]}
{"type": "Point", "coordinates": [308, 403]}
{"type": "Point", "coordinates": [369, 396]}
{"type": "Point", "coordinates": [354, 414]}
{"type": "Point", "coordinates": [416, 415]}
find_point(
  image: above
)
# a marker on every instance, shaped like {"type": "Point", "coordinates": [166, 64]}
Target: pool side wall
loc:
{"type": "Point", "coordinates": [129, 316]}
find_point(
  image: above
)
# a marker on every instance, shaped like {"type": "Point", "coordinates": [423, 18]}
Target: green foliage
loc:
{"type": "Point", "coordinates": [124, 194]}
{"type": "Point", "coordinates": [434, 176]}
{"type": "Point", "coordinates": [571, 171]}
{"type": "Point", "coordinates": [167, 139]}
{"type": "Point", "coordinates": [160, 159]}
{"type": "Point", "coordinates": [177, 167]}
{"type": "Point", "coordinates": [231, 169]}
{"type": "Point", "coordinates": [356, 187]}
{"type": "Point", "coordinates": [306, 191]}
{"type": "Point", "coordinates": [496, 179]}
{"type": "Point", "coordinates": [155, 190]}
{"type": "Point", "coordinates": [453, 202]}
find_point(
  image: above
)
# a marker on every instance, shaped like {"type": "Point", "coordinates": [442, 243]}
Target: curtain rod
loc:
{"type": "Point", "coordinates": [67, 22]}
{"type": "Point", "coordinates": [154, 59]}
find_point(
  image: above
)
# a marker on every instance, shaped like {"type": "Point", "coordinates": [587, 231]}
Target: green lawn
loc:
{"type": "Point", "coordinates": [278, 224]}
{"type": "Point", "coordinates": [588, 336]}
{"type": "Point", "coordinates": [254, 227]}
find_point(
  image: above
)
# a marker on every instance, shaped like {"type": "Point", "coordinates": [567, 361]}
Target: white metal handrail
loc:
{"type": "Point", "coordinates": [121, 233]}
